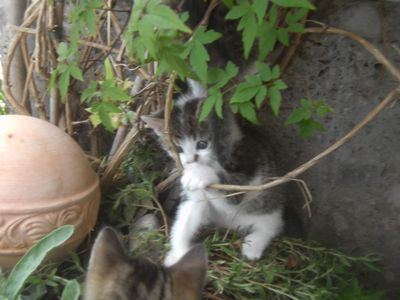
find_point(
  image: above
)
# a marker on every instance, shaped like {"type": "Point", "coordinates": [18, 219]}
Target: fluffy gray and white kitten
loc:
{"type": "Point", "coordinates": [217, 151]}
{"type": "Point", "coordinates": [113, 275]}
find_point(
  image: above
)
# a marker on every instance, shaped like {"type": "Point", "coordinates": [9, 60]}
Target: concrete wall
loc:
{"type": "Point", "coordinates": [356, 190]}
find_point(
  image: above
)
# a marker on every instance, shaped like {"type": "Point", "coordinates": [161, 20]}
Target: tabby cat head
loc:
{"type": "Point", "coordinates": [113, 275]}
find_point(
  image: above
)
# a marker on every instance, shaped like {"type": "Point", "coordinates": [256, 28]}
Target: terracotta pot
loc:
{"type": "Point", "coordinates": [45, 182]}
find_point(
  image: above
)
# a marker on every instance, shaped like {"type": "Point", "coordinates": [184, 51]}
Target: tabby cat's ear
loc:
{"type": "Point", "coordinates": [106, 252]}
{"type": "Point", "coordinates": [189, 273]}
{"type": "Point", "coordinates": [155, 122]}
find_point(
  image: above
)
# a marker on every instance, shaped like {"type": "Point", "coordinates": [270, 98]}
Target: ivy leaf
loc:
{"type": "Point", "coordinates": [276, 72]}
{"type": "Point", "coordinates": [108, 69]}
{"type": "Point", "coordinates": [273, 14]}
{"type": "Point", "coordinates": [296, 27]}
{"type": "Point", "coordinates": [89, 92]}
{"type": "Point", "coordinates": [62, 51]}
{"type": "Point", "coordinates": [115, 94]}
{"type": "Point", "coordinates": [275, 99]}
{"type": "Point", "coordinates": [76, 72]}
{"type": "Point", "coordinates": [308, 127]}
{"type": "Point", "coordinates": [268, 38]}
{"type": "Point", "coordinates": [294, 3]}
{"type": "Point", "coordinates": [63, 82]}
{"type": "Point", "coordinates": [104, 110]}
{"type": "Point", "coordinates": [206, 37]}
{"type": "Point", "coordinates": [163, 17]}
{"type": "Point", "coordinates": [283, 36]}
{"type": "Point", "coordinates": [247, 111]}
{"type": "Point", "coordinates": [219, 105]}
{"type": "Point", "coordinates": [260, 7]}
{"type": "Point", "coordinates": [298, 115]}
{"type": "Point", "coordinates": [238, 11]}
{"type": "Point", "coordinates": [260, 97]}
{"type": "Point", "coordinates": [264, 70]}
{"type": "Point", "coordinates": [280, 85]}
{"type": "Point", "coordinates": [244, 93]}
{"type": "Point", "coordinates": [198, 59]}
{"type": "Point", "coordinates": [207, 107]}
{"type": "Point", "coordinates": [249, 33]}
{"type": "Point", "coordinates": [90, 19]}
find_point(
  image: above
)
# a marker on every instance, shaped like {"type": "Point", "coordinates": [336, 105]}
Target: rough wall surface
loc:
{"type": "Point", "coordinates": [356, 190]}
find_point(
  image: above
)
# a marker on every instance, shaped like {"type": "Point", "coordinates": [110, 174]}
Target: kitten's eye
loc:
{"type": "Point", "coordinates": [201, 145]}
{"type": "Point", "coordinates": [179, 149]}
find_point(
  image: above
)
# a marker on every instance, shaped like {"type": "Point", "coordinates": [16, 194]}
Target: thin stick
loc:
{"type": "Point", "coordinates": [167, 117]}
{"type": "Point", "coordinates": [116, 160]}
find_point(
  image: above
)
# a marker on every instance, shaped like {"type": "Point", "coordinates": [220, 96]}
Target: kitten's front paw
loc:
{"type": "Point", "coordinates": [197, 177]}
{"type": "Point", "coordinates": [251, 251]}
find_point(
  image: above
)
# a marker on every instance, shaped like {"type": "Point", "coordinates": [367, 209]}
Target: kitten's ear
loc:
{"type": "Point", "coordinates": [154, 122]}
{"type": "Point", "coordinates": [196, 89]}
{"type": "Point", "coordinates": [106, 253]}
{"type": "Point", "coordinates": [189, 273]}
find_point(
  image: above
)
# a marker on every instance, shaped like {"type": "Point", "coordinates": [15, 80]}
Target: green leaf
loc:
{"type": "Point", "coordinates": [163, 17]}
{"type": "Point", "coordinates": [115, 94]}
{"type": "Point", "coordinates": [268, 38]}
{"type": "Point", "coordinates": [260, 97]}
{"type": "Point", "coordinates": [273, 14]}
{"type": "Point", "coordinates": [108, 69]}
{"type": "Point", "coordinates": [296, 27]}
{"type": "Point", "coordinates": [249, 33]}
{"type": "Point", "coordinates": [198, 59]}
{"type": "Point", "coordinates": [244, 93]}
{"type": "Point", "coordinates": [219, 105]}
{"type": "Point", "coordinates": [280, 85]}
{"type": "Point", "coordinates": [247, 111]}
{"type": "Point", "coordinates": [33, 258]}
{"type": "Point", "coordinates": [89, 92]}
{"type": "Point", "coordinates": [275, 99]}
{"type": "Point", "coordinates": [71, 291]}
{"type": "Point", "coordinates": [276, 72]}
{"type": "Point", "coordinates": [264, 70]}
{"type": "Point", "coordinates": [62, 51]}
{"type": "Point", "coordinates": [283, 36]}
{"type": "Point", "coordinates": [206, 37]}
{"type": "Point", "coordinates": [308, 127]}
{"type": "Point", "coordinates": [90, 21]}
{"type": "Point", "coordinates": [207, 107]}
{"type": "Point", "coordinates": [298, 115]}
{"type": "Point", "coordinates": [231, 69]}
{"type": "Point", "coordinates": [294, 3]}
{"type": "Point", "coordinates": [238, 11]}
{"type": "Point", "coordinates": [104, 110]}
{"type": "Point", "coordinates": [76, 72]}
{"type": "Point", "coordinates": [260, 8]}
{"type": "Point", "coordinates": [63, 83]}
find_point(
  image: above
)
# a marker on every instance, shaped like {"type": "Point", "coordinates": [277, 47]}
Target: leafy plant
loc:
{"type": "Point", "coordinates": [11, 286]}
{"type": "Point", "coordinates": [104, 98]}
{"type": "Point", "coordinates": [303, 116]}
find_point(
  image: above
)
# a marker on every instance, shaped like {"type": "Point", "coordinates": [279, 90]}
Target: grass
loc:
{"type": "Point", "coordinates": [291, 268]}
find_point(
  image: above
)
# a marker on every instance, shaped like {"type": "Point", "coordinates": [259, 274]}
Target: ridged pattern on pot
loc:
{"type": "Point", "coordinates": [45, 182]}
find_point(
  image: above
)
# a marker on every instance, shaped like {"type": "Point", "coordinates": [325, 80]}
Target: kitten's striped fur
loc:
{"type": "Point", "coordinates": [113, 275]}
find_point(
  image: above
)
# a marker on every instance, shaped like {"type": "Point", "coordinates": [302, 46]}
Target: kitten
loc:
{"type": "Point", "coordinates": [113, 275]}
{"type": "Point", "coordinates": [217, 151]}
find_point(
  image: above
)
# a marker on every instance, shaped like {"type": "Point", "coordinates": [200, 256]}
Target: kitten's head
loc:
{"type": "Point", "coordinates": [113, 275]}
{"type": "Point", "coordinates": [194, 141]}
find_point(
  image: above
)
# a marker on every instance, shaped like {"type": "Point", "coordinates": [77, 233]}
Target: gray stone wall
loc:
{"type": "Point", "coordinates": [356, 190]}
